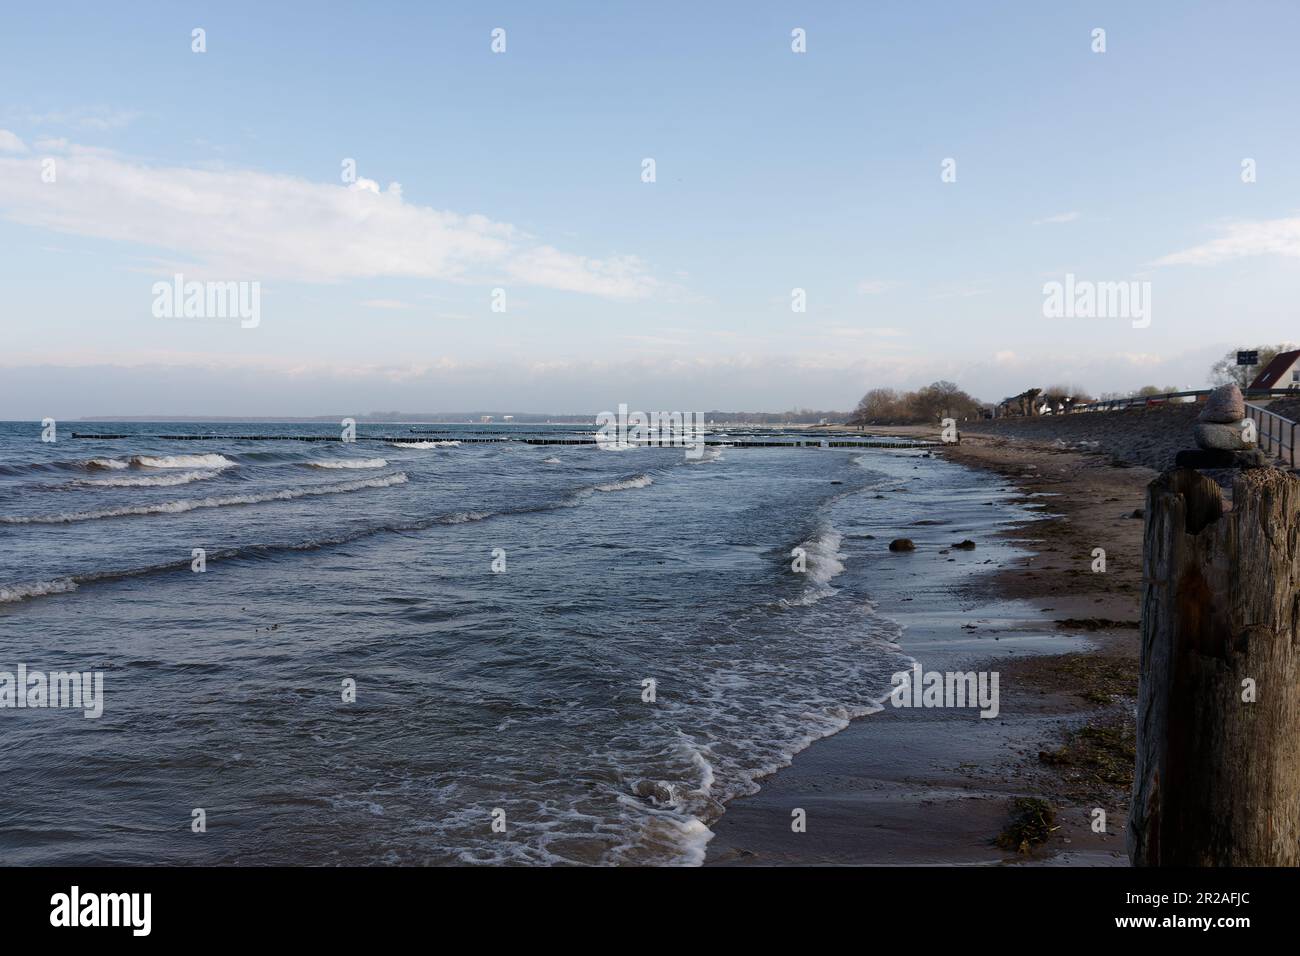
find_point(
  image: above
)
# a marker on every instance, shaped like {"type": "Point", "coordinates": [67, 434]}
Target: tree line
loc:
{"type": "Point", "coordinates": [934, 402]}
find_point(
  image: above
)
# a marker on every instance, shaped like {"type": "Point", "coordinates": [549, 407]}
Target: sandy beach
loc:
{"type": "Point", "coordinates": [919, 787]}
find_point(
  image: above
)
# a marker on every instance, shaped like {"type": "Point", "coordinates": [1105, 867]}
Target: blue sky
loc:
{"type": "Point", "coordinates": [522, 171]}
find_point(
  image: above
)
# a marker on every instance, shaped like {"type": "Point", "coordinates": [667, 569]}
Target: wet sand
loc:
{"type": "Point", "coordinates": [936, 786]}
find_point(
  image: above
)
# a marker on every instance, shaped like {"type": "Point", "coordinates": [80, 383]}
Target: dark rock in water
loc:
{"type": "Point", "coordinates": [902, 544]}
{"type": "Point", "coordinates": [654, 790]}
{"type": "Point", "coordinates": [966, 545]}
{"type": "Point", "coordinates": [836, 482]}
{"type": "Point", "coordinates": [1224, 405]}
{"type": "Point", "coordinates": [1215, 436]}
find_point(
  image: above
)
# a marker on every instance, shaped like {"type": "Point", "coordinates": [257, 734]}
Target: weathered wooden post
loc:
{"type": "Point", "coordinates": [1217, 781]}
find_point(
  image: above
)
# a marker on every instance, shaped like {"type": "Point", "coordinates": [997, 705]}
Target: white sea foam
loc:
{"type": "Point", "coordinates": [824, 563]}
{"type": "Point", "coordinates": [145, 481]}
{"type": "Point", "coordinates": [351, 463]}
{"type": "Point", "coordinates": [182, 461]}
{"type": "Point", "coordinates": [461, 517]}
{"type": "Point", "coordinates": [191, 504]}
{"type": "Point", "coordinates": [824, 556]}
{"type": "Point", "coordinates": [20, 592]}
{"type": "Point", "coordinates": [626, 484]}
{"type": "Point", "coordinates": [108, 464]}
{"type": "Point", "coordinates": [711, 453]}
{"type": "Point", "coordinates": [425, 444]}
{"type": "Point", "coordinates": [550, 461]}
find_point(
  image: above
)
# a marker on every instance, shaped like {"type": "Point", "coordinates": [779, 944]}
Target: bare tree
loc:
{"type": "Point", "coordinates": [1227, 370]}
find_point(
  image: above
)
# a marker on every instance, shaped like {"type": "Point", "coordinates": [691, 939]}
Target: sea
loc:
{"type": "Point", "coordinates": [438, 650]}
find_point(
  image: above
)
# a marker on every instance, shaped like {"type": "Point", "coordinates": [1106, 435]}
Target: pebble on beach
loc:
{"type": "Point", "coordinates": [902, 544]}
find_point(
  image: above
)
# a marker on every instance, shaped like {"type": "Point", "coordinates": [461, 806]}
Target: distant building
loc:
{"type": "Point", "coordinates": [1024, 404]}
{"type": "Point", "coordinates": [486, 419]}
{"type": "Point", "coordinates": [507, 418]}
{"type": "Point", "coordinates": [1282, 372]}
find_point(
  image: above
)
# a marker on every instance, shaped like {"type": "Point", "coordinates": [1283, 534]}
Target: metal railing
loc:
{"type": "Point", "coordinates": [1274, 434]}
{"type": "Point", "coordinates": [1144, 401]}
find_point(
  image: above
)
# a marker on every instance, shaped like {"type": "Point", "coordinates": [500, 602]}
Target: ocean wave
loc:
{"type": "Point", "coordinates": [550, 461]}
{"type": "Point", "coordinates": [182, 461]}
{"type": "Point", "coordinates": [108, 464]}
{"type": "Point", "coordinates": [350, 463]}
{"type": "Point", "coordinates": [424, 444]}
{"type": "Point", "coordinates": [192, 504]}
{"type": "Point", "coordinates": [145, 481]}
{"type": "Point", "coordinates": [711, 454]}
{"type": "Point", "coordinates": [463, 517]}
{"type": "Point", "coordinates": [20, 592]}
{"type": "Point", "coordinates": [626, 484]}
{"type": "Point", "coordinates": [72, 582]}
{"type": "Point", "coordinates": [824, 556]}
{"type": "Point", "coordinates": [823, 563]}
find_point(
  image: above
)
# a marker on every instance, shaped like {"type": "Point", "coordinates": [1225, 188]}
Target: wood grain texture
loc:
{"type": "Point", "coordinates": [1217, 780]}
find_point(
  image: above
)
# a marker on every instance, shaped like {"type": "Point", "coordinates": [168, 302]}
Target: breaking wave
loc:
{"type": "Point", "coordinates": [626, 484]}
{"type": "Point", "coordinates": [192, 504]}
{"type": "Point", "coordinates": [145, 481]}
{"type": "Point", "coordinates": [182, 461]}
{"type": "Point", "coordinates": [351, 463]}
{"type": "Point", "coordinates": [20, 592]}
{"type": "Point", "coordinates": [823, 564]}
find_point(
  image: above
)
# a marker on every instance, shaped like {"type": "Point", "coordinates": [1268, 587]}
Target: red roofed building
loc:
{"type": "Point", "coordinates": [1282, 372]}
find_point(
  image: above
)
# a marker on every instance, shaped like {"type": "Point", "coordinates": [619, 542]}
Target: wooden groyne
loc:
{"type": "Point", "coordinates": [407, 440]}
{"type": "Point", "coordinates": [1217, 780]}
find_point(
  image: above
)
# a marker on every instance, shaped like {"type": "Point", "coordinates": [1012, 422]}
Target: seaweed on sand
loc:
{"type": "Point", "coordinates": [1032, 822]}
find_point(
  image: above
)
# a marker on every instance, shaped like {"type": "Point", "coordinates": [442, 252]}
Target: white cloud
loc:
{"type": "Point", "coordinates": [244, 224]}
{"type": "Point", "coordinates": [967, 293]}
{"type": "Point", "coordinates": [1058, 218]}
{"type": "Point", "coordinates": [387, 304]}
{"type": "Point", "coordinates": [854, 331]}
{"type": "Point", "coordinates": [875, 286]}
{"type": "Point", "coordinates": [620, 277]}
{"type": "Point", "coordinates": [1145, 359]}
{"type": "Point", "coordinates": [10, 143]}
{"type": "Point", "coordinates": [101, 119]}
{"type": "Point", "coordinates": [1240, 240]}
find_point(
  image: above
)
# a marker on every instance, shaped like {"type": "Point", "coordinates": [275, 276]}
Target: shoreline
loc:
{"type": "Point", "coordinates": [937, 786]}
